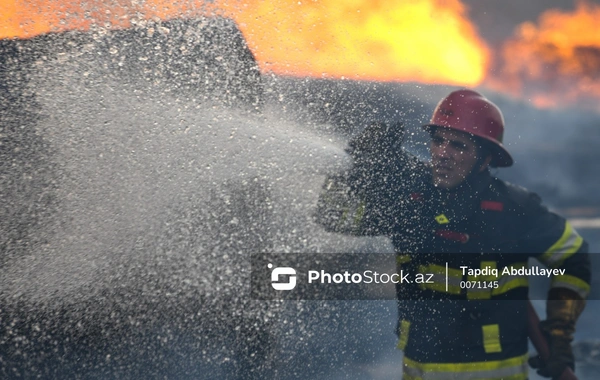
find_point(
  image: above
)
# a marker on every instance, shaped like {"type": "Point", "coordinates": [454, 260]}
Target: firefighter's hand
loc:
{"type": "Point", "coordinates": [377, 152]}
{"type": "Point", "coordinates": [378, 142]}
{"type": "Point", "coordinates": [561, 357]}
{"type": "Point", "coordinates": [562, 310]}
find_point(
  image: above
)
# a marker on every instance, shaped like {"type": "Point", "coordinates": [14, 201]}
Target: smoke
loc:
{"type": "Point", "coordinates": [496, 21]}
{"type": "Point", "coordinates": [553, 151]}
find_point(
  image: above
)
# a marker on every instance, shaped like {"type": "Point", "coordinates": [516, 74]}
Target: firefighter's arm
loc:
{"type": "Point", "coordinates": [567, 251]}
{"type": "Point", "coordinates": [563, 248]}
{"type": "Point", "coordinates": [555, 243]}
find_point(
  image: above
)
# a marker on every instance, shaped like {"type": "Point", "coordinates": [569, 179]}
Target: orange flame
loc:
{"type": "Point", "coordinates": [420, 40]}
{"type": "Point", "coordinates": [27, 19]}
{"type": "Point", "coordinates": [554, 63]}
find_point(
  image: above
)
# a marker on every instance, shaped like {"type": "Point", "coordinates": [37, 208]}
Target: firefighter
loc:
{"type": "Point", "coordinates": [453, 210]}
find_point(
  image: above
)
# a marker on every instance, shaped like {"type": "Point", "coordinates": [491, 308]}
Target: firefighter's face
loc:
{"type": "Point", "coordinates": [453, 156]}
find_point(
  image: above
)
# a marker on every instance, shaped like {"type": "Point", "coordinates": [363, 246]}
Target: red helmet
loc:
{"type": "Point", "coordinates": [469, 111]}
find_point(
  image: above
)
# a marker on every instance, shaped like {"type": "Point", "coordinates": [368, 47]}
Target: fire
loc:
{"type": "Point", "coordinates": [556, 62]}
{"type": "Point", "coordinates": [30, 18]}
{"type": "Point", "coordinates": [419, 40]}
{"type": "Point", "coordinates": [553, 62]}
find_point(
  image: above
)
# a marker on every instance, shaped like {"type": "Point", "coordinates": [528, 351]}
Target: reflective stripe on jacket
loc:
{"type": "Point", "coordinates": [508, 369]}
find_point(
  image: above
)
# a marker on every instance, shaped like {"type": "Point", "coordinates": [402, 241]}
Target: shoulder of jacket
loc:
{"type": "Point", "coordinates": [516, 196]}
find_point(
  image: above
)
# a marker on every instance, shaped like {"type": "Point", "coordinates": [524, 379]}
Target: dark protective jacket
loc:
{"type": "Point", "coordinates": [458, 325]}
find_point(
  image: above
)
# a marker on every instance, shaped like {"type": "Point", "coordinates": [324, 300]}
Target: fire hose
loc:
{"type": "Point", "coordinates": [540, 343]}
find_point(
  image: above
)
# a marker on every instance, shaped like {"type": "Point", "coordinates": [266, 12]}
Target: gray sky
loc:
{"type": "Point", "coordinates": [496, 19]}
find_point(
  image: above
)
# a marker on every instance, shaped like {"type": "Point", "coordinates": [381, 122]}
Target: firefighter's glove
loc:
{"type": "Point", "coordinates": [561, 357]}
{"type": "Point", "coordinates": [563, 309]}
{"type": "Point", "coordinates": [378, 142]}
{"type": "Point", "coordinates": [378, 149]}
